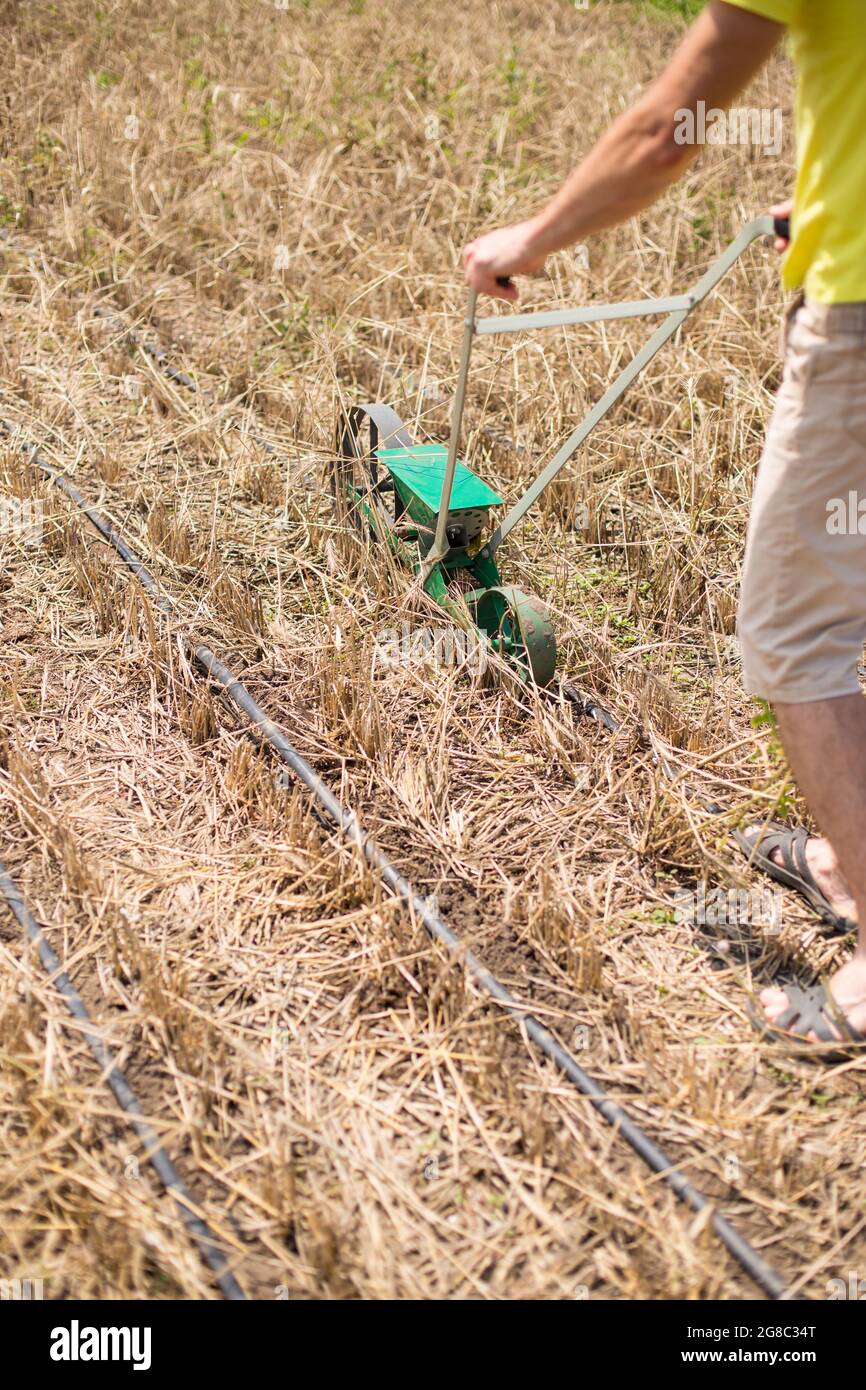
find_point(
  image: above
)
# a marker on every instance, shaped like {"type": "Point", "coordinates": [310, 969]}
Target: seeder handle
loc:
{"type": "Point", "coordinates": [439, 548]}
{"type": "Point", "coordinates": [781, 227]}
{"type": "Point", "coordinates": [677, 309]}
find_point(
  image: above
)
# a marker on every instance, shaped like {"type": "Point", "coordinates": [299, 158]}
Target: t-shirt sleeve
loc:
{"type": "Point", "coordinates": [783, 11]}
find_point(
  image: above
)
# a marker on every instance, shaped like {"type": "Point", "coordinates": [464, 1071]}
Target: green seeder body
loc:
{"type": "Point", "coordinates": [513, 622]}
{"type": "Point", "coordinates": [434, 512]}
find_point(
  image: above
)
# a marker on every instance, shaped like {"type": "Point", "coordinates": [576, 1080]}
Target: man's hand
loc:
{"type": "Point", "coordinates": [782, 210]}
{"type": "Point", "coordinates": [507, 251]}
{"type": "Point", "coordinates": [640, 155]}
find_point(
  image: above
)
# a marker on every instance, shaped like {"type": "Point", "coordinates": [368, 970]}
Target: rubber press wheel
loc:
{"type": "Point", "coordinates": [518, 628]}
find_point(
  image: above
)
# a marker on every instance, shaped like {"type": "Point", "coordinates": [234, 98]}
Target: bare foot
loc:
{"type": "Point", "coordinates": [821, 858]}
{"type": "Point", "coordinates": [847, 987]}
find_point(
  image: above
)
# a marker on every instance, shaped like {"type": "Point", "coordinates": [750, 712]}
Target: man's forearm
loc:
{"type": "Point", "coordinates": [639, 156]}
{"type": "Point", "coordinates": [624, 173]}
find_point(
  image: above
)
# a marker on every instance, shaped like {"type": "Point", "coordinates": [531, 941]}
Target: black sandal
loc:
{"type": "Point", "coordinates": [758, 845]}
{"type": "Point", "coordinates": [813, 1010]}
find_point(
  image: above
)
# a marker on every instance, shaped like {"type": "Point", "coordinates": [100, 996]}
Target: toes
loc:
{"type": "Point", "coordinates": [775, 855]}
{"type": "Point", "coordinates": [775, 1001]}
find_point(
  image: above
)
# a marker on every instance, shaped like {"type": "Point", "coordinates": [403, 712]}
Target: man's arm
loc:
{"type": "Point", "coordinates": [638, 156]}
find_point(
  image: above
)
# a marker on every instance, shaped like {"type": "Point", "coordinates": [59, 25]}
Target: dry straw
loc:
{"type": "Point", "coordinates": [364, 1125]}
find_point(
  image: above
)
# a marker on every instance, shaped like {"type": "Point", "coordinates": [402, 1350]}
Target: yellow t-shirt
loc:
{"type": "Point", "coordinates": [827, 255]}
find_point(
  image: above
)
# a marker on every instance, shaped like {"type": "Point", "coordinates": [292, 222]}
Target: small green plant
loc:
{"type": "Point", "coordinates": [513, 78]}
{"type": "Point", "coordinates": [422, 65]}
{"type": "Point", "coordinates": [663, 916]}
{"type": "Point", "coordinates": [820, 1098]}
{"type": "Point", "coordinates": [766, 719]}
{"type": "Point", "coordinates": [11, 214]}
{"type": "Point", "coordinates": [195, 74]}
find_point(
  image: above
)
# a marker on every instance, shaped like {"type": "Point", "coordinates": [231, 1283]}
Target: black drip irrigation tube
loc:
{"type": "Point", "coordinates": [125, 1096]}
{"type": "Point", "coordinates": [160, 359]}
{"type": "Point", "coordinates": [612, 726]}
{"type": "Point", "coordinates": [437, 930]}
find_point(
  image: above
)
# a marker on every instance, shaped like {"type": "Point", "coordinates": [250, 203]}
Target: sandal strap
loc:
{"type": "Point", "coordinates": [814, 1010]}
{"type": "Point", "coordinates": [798, 840]}
{"type": "Point", "coordinates": [805, 1014]}
{"type": "Point", "coordinates": [793, 870]}
{"type": "Point", "coordinates": [835, 1014]}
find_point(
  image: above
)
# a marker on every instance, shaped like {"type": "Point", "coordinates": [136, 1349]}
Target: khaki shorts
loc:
{"type": "Point", "coordinates": [802, 620]}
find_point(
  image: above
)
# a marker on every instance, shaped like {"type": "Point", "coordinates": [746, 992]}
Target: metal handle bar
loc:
{"type": "Point", "coordinates": [677, 308]}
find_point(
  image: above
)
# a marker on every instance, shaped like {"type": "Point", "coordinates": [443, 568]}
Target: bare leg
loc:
{"type": "Point", "coordinates": [825, 741]}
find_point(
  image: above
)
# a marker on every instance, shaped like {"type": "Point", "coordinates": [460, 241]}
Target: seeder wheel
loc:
{"type": "Point", "coordinates": [518, 628]}
{"type": "Point", "coordinates": [364, 494]}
